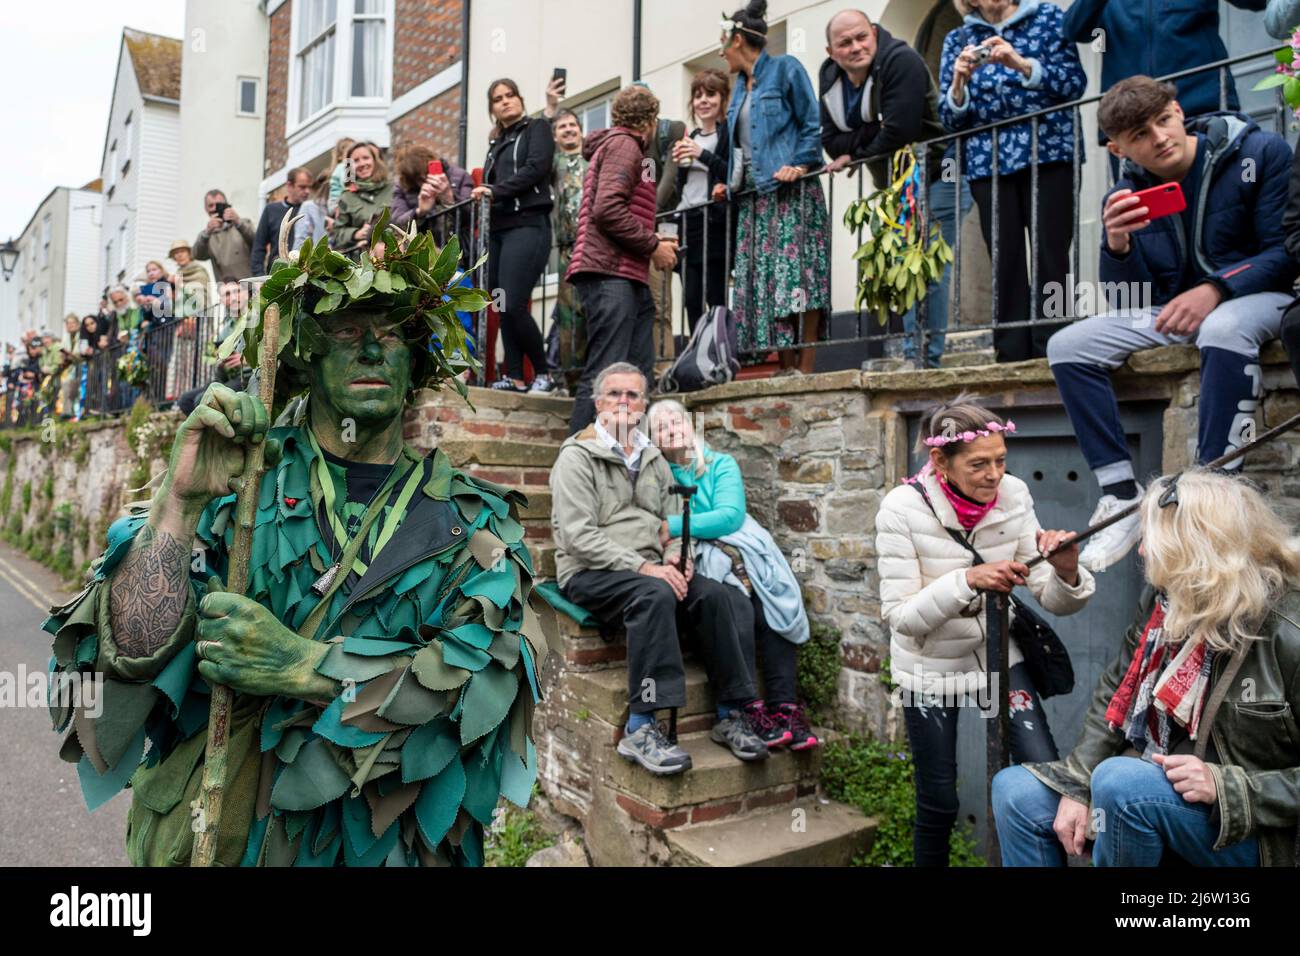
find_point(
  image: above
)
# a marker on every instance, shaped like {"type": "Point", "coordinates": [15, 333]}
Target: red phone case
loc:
{"type": "Point", "coordinates": [435, 167]}
{"type": "Point", "coordinates": [1163, 200]}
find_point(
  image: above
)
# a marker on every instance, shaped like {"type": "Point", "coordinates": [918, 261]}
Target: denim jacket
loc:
{"type": "Point", "coordinates": [997, 92]}
{"type": "Point", "coordinates": [785, 120]}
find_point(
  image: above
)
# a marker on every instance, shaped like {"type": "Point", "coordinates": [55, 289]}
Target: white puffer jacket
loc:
{"type": "Point", "coordinates": [936, 619]}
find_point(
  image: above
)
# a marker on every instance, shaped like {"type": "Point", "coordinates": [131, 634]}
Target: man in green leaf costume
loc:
{"type": "Point", "coordinates": [385, 658]}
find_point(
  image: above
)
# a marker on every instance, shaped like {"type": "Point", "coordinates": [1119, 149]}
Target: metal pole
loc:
{"type": "Point", "coordinates": [996, 233]}
{"type": "Point", "coordinates": [997, 747]}
{"type": "Point", "coordinates": [1033, 223]}
{"type": "Point", "coordinates": [956, 247]}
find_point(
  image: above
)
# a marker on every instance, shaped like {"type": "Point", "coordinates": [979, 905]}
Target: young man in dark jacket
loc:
{"type": "Point", "coordinates": [616, 244]}
{"type": "Point", "coordinates": [1156, 39]}
{"type": "Point", "coordinates": [870, 87]}
{"type": "Point", "coordinates": [1217, 274]}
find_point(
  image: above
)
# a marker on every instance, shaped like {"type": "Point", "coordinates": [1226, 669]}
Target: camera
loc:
{"type": "Point", "coordinates": [982, 55]}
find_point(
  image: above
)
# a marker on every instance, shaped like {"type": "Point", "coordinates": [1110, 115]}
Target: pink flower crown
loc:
{"type": "Point", "coordinates": [992, 428]}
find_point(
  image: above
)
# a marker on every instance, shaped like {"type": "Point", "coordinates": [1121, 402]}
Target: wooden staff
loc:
{"type": "Point", "coordinates": [214, 765]}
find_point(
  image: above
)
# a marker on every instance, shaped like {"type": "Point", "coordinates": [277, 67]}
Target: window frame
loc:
{"type": "Point", "coordinates": [257, 96]}
{"type": "Point", "coordinates": [341, 83]}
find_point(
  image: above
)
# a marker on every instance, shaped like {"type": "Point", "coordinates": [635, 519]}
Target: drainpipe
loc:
{"type": "Point", "coordinates": [636, 40]}
{"type": "Point", "coordinates": [464, 82]}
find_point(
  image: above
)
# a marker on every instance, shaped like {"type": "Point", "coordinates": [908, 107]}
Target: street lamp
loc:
{"type": "Point", "coordinates": [8, 258]}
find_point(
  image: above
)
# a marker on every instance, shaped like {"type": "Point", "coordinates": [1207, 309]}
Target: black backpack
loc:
{"type": "Point", "coordinates": [709, 357]}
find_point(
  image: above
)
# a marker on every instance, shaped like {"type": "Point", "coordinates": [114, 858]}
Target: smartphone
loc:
{"type": "Point", "coordinates": [435, 167]}
{"type": "Point", "coordinates": [561, 74]}
{"type": "Point", "coordinates": [477, 176]}
{"type": "Point", "coordinates": [1163, 200]}
{"type": "Point", "coordinates": [220, 209]}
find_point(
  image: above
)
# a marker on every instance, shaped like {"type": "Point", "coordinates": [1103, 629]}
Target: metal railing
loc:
{"type": "Point", "coordinates": [178, 356]}
{"type": "Point", "coordinates": [864, 328]}
{"type": "Point", "coordinates": [174, 356]}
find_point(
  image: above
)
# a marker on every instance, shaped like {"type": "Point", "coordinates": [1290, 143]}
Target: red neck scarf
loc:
{"type": "Point", "coordinates": [969, 513]}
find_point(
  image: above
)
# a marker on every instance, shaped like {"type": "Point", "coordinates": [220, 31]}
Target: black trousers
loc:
{"type": "Point", "coordinates": [1055, 225]}
{"type": "Point", "coordinates": [620, 318]}
{"type": "Point", "coordinates": [516, 258]}
{"type": "Point", "coordinates": [779, 658]}
{"type": "Point", "coordinates": [654, 619]}
{"type": "Point", "coordinates": [704, 268]}
{"type": "Point", "coordinates": [932, 733]}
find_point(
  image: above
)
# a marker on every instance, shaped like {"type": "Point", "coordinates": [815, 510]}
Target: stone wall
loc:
{"type": "Point", "coordinates": [819, 453]}
{"type": "Point", "coordinates": [62, 485]}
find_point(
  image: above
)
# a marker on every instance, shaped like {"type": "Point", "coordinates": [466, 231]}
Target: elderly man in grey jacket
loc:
{"type": "Point", "coordinates": [611, 488]}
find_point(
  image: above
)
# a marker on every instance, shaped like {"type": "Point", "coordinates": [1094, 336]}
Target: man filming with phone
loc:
{"type": "Point", "coordinates": [1203, 262]}
{"type": "Point", "coordinates": [227, 240]}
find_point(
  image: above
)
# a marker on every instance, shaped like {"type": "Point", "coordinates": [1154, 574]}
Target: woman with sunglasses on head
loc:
{"type": "Point", "coordinates": [517, 178]}
{"type": "Point", "coordinates": [931, 588]}
{"type": "Point", "coordinates": [1191, 747]}
{"type": "Point", "coordinates": [783, 229]}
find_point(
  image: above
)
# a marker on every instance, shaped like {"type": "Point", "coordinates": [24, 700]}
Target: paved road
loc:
{"type": "Point", "coordinates": [43, 820]}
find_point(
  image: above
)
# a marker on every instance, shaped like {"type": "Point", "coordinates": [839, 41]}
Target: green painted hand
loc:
{"type": "Point", "coordinates": [243, 645]}
{"type": "Point", "coordinates": [208, 454]}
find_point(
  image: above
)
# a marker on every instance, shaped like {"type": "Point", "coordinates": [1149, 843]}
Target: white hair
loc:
{"type": "Point", "coordinates": [666, 407]}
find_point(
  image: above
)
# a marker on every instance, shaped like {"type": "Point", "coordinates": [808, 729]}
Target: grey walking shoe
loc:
{"type": "Point", "coordinates": [651, 749]}
{"type": "Point", "coordinates": [736, 733]}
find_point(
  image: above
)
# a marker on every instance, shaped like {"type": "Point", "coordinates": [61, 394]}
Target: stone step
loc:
{"type": "Point", "coordinates": [968, 340]}
{"type": "Point", "coordinates": [829, 834]}
{"type": "Point", "coordinates": [539, 505]}
{"type": "Point", "coordinates": [716, 775]}
{"type": "Point", "coordinates": [967, 359]}
{"type": "Point", "coordinates": [604, 692]}
{"type": "Point", "coordinates": [465, 453]}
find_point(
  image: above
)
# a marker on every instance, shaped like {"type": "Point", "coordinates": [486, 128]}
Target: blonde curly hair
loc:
{"type": "Point", "coordinates": [1220, 553]}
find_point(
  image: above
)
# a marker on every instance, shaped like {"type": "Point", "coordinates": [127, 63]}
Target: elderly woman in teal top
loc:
{"type": "Point", "coordinates": [728, 545]}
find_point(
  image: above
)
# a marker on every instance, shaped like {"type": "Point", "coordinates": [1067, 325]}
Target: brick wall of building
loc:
{"type": "Point", "coordinates": [276, 153]}
{"type": "Point", "coordinates": [426, 43]}
{"type": "Point", "coordinates": [435, 123]}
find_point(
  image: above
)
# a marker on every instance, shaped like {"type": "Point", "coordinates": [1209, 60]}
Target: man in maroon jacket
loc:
{"type": "Point", "coordinates": [616, 243]}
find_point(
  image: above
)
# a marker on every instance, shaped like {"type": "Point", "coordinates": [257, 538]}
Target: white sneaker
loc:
{"type": "Point", "coordinates": [1109, 546]}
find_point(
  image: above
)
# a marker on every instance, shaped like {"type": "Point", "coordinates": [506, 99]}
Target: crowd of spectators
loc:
{"type": "Point", "coordinates": [737, 196]}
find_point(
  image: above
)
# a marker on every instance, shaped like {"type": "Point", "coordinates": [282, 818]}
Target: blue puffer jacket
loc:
{"type": "Point", "coordinates": [1156, 38]}
{"type": "Point", "coordinates": [1239, 240]}
{"type": "Point", "coordinates": [785, 120]}
{"type": "Point", "coordinates": [998, 92]}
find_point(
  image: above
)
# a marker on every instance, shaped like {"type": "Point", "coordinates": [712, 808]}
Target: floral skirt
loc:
{"type": "Point", "coordinates": [782, 262]}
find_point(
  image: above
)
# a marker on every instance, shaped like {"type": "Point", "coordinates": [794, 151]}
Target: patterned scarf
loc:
{"type": "Point", "coordinates": [1163, 681]}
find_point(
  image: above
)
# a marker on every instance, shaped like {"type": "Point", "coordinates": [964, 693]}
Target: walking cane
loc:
{"type": "Point", "coordinates": [996, 621]}
{"type": "Point", "coordinates": [213, 788]}
{"type": "Point", "coordinates": [685, 491]}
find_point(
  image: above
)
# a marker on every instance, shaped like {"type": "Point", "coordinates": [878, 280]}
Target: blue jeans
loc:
{"type": "Point", "coordinates": [942, 209]}
{"type": "Point", "coordinates": [1139, 816]}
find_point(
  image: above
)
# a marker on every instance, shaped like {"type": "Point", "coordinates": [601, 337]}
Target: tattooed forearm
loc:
{"type": "Point", "coordinates": [149, 591]}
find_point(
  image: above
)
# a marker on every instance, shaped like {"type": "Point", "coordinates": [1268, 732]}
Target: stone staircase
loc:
{"type": "Point", "coordinates": [722, 812]}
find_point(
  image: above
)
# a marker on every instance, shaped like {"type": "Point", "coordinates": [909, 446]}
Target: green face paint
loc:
{"type": "Point", "coordinates": [365, 374]}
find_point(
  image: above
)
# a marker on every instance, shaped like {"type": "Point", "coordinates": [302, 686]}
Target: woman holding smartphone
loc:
{"type": "Point", "coordinates": [517, 178]}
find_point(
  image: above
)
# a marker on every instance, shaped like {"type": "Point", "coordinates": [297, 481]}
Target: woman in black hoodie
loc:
{"type": "Point", "coordinates": [517, 176]}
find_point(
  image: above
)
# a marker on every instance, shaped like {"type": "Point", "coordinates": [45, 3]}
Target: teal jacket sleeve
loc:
{"type": "Point", "coordinates": [727, 513]}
